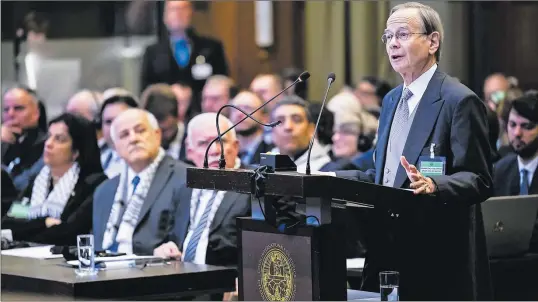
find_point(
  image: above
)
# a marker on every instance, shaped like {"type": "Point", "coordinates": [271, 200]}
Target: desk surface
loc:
{"type": "Point", "coordinates": [49, 277]}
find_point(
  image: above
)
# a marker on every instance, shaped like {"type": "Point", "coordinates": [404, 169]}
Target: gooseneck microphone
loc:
{"type": "Point", "coordinates": [330, 80]}
{"type": "Point", "coordinates": [222, 163]}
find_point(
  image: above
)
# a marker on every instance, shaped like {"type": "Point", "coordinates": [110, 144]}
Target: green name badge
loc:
{"type": "Point", "coordinates": [432, 166]}
{"type": "Point", "coordinates": [18, 210]}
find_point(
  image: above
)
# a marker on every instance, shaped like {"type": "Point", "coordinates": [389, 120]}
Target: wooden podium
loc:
{"type": "Point", "coordinates": [305, 261]}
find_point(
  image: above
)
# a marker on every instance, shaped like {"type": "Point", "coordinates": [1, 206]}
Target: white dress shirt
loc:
{"type": "Point", "coordinates": [418, 87]}
{"type": "Point", "coordinates": [530, 166]}
{"type": "Point", "coordinates": [204, 196]}
{"type": "Point", "coordinates": [144, 175]}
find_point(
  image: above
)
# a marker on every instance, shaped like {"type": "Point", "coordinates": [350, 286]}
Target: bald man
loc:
{"type": "Point", "coordinates": [135, 209]}
{"type": "Point", "coordinates": [87, 103]}
{"type": "Point", "coordinates": [22, 140]}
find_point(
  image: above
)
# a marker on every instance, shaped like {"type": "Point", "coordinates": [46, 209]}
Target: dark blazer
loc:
{"type": "Point", "coordinates": [28, 151]}
{"type": "Point", "coordinates": [506, 177]}
{"type": "Point", "coordinates": [157, 214]}
{"type": "Point", "coordinates": [76, 217]}
{"type": "Point", "coordinates": [263, 147]}
{"type": "Point", "coordinates": [160, 66]}
{"type": "Point", "coordinates": [446, 237]}
{"type": "Point", "coordinates": [222, 243]}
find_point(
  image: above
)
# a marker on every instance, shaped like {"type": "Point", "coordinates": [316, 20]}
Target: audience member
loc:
{"type": "Point", "coordinates": [515, 173]}
{"type": "Point", "coordinates": [87, 103]}
{"type": "Point", "coordinates": [370, 91]}
{"type": "Point", "coordinates": [57, 205]}
{"type": "Point", "coordinates": [326, 124]}
{"type": "Point", "coordinates": [250, 133]}
{"type": "Point", "coordinates": [266, 86]}
{"type": "Point", "coordinates": [347, 103]}
{"type": "Point", "coordinates": [293, 136]}
{"type": "Point", "coordinates": [112, 107]}
{"type": "Point", "coordinates": [133, 212]}
{"type": "Point", "coordinates": [495, 87]}
{"type": "Point", "coordinates": [206, 229]}
{"type": "Point", "coordinates": [160, 100]}
{"type": "Point", "coordinates": [185, 56]}
{"type": "Point", "coordinates": [22, 139]}
{"type": "Point", "coordinates": [185, 110]}
{"type": "Point", "coordinates": [217, 92]}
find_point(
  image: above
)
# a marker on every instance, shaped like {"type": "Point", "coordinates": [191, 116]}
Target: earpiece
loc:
{"type": "Point", "coordinates": [365, 141]}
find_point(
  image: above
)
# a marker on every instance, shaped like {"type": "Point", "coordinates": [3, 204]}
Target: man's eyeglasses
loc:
{"type": "Point", "coordinates": [400, 36]}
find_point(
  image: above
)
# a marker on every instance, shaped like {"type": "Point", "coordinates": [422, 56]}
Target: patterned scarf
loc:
{"type": "Point", "coordinates": [52, 205]}
{"type": "Point", "coordinates": [122, 228]}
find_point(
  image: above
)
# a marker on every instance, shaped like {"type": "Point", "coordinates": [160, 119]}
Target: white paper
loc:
{"type": "Point", "coordinates": [355, 263]}
{"type": "Point", "coordinates": [37, 252]}
{"type": "Point", "coordinates": [117, 261]}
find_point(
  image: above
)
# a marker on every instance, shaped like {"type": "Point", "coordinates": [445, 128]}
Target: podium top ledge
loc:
{"type": "Point", "coordinates": [295, 184]}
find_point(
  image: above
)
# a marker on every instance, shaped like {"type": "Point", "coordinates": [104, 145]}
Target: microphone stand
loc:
{"type": "Point", "coordinates": [330, 80]}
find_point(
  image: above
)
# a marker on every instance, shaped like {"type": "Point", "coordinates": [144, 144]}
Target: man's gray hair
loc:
{"type": "Point", "coordinates": [208, 120]}
{"type": "Point", "coordinates": [431, 21]}
{"type": "Point", "coordinates": [151, 119]}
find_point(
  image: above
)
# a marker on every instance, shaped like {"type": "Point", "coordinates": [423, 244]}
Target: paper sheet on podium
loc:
{"type": "Point", "coordinates": [355, 263]}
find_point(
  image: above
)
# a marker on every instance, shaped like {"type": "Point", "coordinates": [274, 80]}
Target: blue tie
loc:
{"type": "Point", "coordinates": [135, 182]}
{"type": "Point", "coordinates": [181, 52]}
{"type": "Point", "coordinates": [114, 246]}
{"type": "Point", "coordinates": [190, 252]}
{"type": "Point", "coordinates": [524, 187]}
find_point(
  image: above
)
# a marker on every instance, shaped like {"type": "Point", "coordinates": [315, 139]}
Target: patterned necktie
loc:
{"type": "Point", "coordinates": [190, 252]}
{"type": "Point", "coordinates": [181, 53]}
{"type": "Point", "coordinates": [401, 118]}
{"type": "Point", "coordinates": [524, 187]}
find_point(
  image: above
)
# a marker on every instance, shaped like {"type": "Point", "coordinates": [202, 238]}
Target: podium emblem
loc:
{"type": "Point", "coordinates": [276, 274]}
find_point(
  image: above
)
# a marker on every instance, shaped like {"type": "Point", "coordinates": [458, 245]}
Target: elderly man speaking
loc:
{"type": "Point", "coordinates": [438, 248]}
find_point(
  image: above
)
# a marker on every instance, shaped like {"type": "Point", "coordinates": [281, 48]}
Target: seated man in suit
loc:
{"type": "Point", "coordinates": [250, 133]}
{"type": "Point", "coordinates": [205, 231]}
{"type": "Point", "coordinates": [133, 212]}
{"type": "Point", "coordinates": [292, 138]}
{"type": "Point", "coordinates": [185, 56]}
{"type": "Point", "coordinates": [516, 173]}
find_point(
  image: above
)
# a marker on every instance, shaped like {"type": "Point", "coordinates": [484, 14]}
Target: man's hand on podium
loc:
{"type": "Point", "coordinates": [420, 183]}
{"type": "Point", "coordinates": [167, 250]}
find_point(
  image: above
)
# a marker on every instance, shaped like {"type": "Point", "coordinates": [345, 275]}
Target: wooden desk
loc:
{"type": "Point", "coordinates": [26, 278]}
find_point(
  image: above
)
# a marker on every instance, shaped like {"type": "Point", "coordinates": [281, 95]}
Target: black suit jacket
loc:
{"type": "Point", "coordinates": [28, 151]}
{"type": "Point", "coordinates": [76, 217]}
{"type": "Point", "coordinates": [160, 66]}
{"type": "Point", "coordinates": [446, 237]}
{"type": "Point", "coordinates": [222, 243]}
{"type": "Point", "coordinates": [506, 177]}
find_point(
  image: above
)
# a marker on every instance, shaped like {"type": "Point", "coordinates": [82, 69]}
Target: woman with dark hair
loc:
{"type": "Point", "coordinates": [57, 204]}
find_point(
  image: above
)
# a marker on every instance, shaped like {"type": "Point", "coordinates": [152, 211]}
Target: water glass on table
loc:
{"type": "Point", "coordinates": [86, 256]}
{"type": "Point", "coordinates": [389, 282]}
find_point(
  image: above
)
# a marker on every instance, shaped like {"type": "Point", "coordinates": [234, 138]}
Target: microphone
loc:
{"type": "Point", "coordinates": [222, 163]}
{"type": "Point", "coordinates": [330, 80]}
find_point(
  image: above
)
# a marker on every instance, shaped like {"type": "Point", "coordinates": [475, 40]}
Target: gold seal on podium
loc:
{"type": "Point", "coordinates": [276, 272]}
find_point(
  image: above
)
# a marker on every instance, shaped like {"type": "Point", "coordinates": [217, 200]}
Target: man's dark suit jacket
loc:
{"type": "Point", "coordinates": [222, 243]}
{"type": "Point", "coordinates": [506, 177]}
{"type": "Point", "coordinates": [76, 216]}
{"type": "Point", "coordinates": [443, 243]}
{"type": "Point", "coordinates": [28, 151]}
{"type": "Point", "coordinates": [263, 147]}
{"type": "Point", "coordinates": [156, 217]}
{"type": "Point", "coordinates": [160, 66]}
{"type": "Point", "coordinates": [506, 181]}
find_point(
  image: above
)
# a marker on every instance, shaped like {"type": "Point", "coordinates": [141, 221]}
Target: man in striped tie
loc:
{"type": "Point", "coordinates": [205, 230]}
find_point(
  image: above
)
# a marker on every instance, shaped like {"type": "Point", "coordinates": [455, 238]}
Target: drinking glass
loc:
{"type": "Point", "coordinates": [389, 282]}
{"type": "Point", "coordinates": [86, 256]}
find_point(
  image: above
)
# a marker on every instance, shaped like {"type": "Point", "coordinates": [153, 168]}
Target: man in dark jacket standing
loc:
{"type": "Point", "coordinates": [185, 56]}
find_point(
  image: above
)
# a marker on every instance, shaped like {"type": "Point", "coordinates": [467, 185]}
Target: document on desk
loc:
{"type": "Point", "coordinates": [37, 252]}
{"type": "Point", "coordinates": [119, 261]}
{"type": "Point", "coordinates": [355, 263]}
